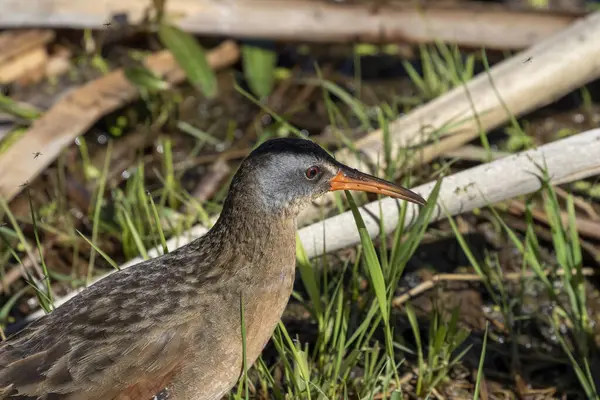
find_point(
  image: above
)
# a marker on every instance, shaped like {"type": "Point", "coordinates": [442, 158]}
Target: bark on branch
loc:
{"type": "Point", "coordinates": [565, 160]}
{"type": "Point", "coordinates": [493, 27]}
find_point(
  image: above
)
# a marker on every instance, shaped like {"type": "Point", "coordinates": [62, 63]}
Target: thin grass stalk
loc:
{"type": "Point", "coordinates": [97, 209]}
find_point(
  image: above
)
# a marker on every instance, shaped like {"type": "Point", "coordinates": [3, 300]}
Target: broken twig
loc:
{"type": "Point", "coordinates": [432, 282]}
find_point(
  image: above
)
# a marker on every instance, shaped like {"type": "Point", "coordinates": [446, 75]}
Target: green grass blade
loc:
{"type": "Point", "coordinates": [414, 324]}
{"type": "Point", "coordinates": [98, 208]}
{"type": "Point", "coordinates": [135, 234]}
{"type": "Point", "coordinates": [9, 304]}
{"type": "Point", "coordinates": [357, 108]}
{"type": "Point", "coordinates": [29, 279]}
{"type": "Point", "coordinates": [144, 79]}
{"type": "Point", "coordinates": [159, 228]}
{"type": "Point", "coordinates": [197, 133]}
{"type": "Point", "coordinates": [470, 256]}
{"type": "Point", "coordinates": [102, 253]}
{"type": "Point", "coordinates": [373, 266]}
{"type": "Point", "coordinates": [269, 111]}
{"type": "Point", "coordinates": [416, 79]}
{"type": "Point", "coordinates": [191, 57]}
{"type": "Point", "coordinates": [40, 251]}
{"type": "Point", "coordinates": [11, 107]}
{"type": "Point", "coordinates": [577, 260]}
{"type": "Point", "coordinates": [585, 381]}
{"type": "Point", "coordinates": [259, 69]}
{"type": "Point", "coordinates": [402, 252]}
{"type": "Point", "coordinates": [481, 361]}
{"type": "Point", "coordinates": [362, 329]}
{"type": "Point", "coordinates": [309, 279]}
{"type": "Point", "coordinates": [303, 371]}
{"type": "Point", "coordinates": [17, 230]}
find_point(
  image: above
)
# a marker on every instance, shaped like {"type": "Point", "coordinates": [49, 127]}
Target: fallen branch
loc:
{"type": "Point", "coordinates": [432, 282]}
{"type": "Point", "coordinates": [478, 25]}
{"type": "Point", "coordinates": [14, 43]}
{"type": "Point", "coordinates": [23, 55]}
{"type": "Point", "coordinates": [474, 153]}
{"type": "Point", "coordinates": [527, 81]}
{"type": "Point", "coordinates": [76, 112]}
{"type": "Point", "coordinates": [478, 153]}
{"type": "Point", "coordinates": [584, 226]}
{"type": "Point", "coordinates": [543, 233]}
{"type": "Point", "coordinates": [569, 159]}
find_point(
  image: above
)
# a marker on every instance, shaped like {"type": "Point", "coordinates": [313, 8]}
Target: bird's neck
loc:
{"type": "Point", "coordinates": [254, 231]}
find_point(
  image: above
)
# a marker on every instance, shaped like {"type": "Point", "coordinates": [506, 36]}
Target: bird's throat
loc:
{"type": "Point", "coordinates": [257, 235]}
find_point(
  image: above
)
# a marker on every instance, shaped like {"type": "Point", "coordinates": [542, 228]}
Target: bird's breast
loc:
{"type": "Point", "coordinates": [266, 300]}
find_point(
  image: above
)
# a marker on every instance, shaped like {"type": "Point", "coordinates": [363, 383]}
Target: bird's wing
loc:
{"type": "Point", "coordinates": [72, 369]}
{"type": "Point", "coordinates": [123, 333]}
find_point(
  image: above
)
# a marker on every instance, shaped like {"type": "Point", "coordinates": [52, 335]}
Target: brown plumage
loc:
{"type": "Point", "coordinates": [171, 325]}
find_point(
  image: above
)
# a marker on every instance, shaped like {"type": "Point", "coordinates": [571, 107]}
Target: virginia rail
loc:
{"type": "Point", "coordinates": [170, 326]}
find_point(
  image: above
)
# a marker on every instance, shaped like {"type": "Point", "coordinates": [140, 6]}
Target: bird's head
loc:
{"type": "Point", "coordinates": [285, 175]}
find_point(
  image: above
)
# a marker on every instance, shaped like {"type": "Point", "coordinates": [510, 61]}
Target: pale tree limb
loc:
{"type": "Point", "coordinates": [527, 81]}
{"type": "Point", "coordinates": [478, 153]}
{"type": "Point", "coordinates": [565, 160]}
{"type": "Point", "coordinates": [478, 25]}
{"type": "Point", "coordinates": [569, 159]}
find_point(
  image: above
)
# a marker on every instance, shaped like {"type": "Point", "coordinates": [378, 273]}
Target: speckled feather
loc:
{"type": "Point", "coordinates": [173, 322]}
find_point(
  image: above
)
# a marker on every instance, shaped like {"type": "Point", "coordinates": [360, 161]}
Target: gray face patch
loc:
{"type": "Point", "coordinates": [282, 182]}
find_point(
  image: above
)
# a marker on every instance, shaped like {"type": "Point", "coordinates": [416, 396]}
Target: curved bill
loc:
{"type": "Point", "coordinates": [352, 179]}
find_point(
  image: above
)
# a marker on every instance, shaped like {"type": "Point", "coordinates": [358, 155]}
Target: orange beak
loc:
{"type": "Point", "coordinates": [352, 179]}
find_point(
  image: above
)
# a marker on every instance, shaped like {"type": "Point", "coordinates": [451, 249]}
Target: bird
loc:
{"type": "Point", "coordinates": [171, 326]}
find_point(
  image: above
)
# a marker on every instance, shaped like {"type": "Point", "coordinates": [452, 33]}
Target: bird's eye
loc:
{"type": "Point", "coordinates": [312, 172]}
